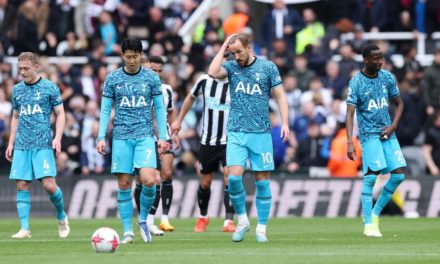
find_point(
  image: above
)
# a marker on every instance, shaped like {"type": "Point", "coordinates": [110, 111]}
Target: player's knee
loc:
{"type": "Point", "coordinates": [167, 174]}
{"type": "Point", "coordinates": [149, 182]}
{"type": "Point", "coordinates": [50, 186]}
{"type": "Point", "coordinates": [22, 186]}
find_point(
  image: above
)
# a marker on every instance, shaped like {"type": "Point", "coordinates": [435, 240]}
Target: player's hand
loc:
{"type": "Point", "coordinates": [101, 147]}
{"type": "Point", "coordinates": [56, 145]}
{"type": "Point", "coordinates": [176, 141]}
{"type": "Point", "coordinates": [386, 132]}
{"type": "Point", "coordinates": [285, 133]}
{"type": "Point", "coordinates": [163, 147]}
{"type": "Point", "coordinates": [226, 43]}
{"type": "Point", "coordinates": [351, 151]}
{"type": "Point", "coordinates": [8, 152]}
{"type": "Point", "coordinates": [176, 126]}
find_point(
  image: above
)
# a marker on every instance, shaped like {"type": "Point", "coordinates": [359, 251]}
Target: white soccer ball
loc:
{"type": "Point", "coordinates": [105, 240]}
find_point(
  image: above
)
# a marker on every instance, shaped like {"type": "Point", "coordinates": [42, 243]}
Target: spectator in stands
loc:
{"type": "Point", "coordinates": [373, 14]}
{"type": "Point", "coordinates": [280, 56]}
{"type": "Point", "coordinates": [332, 80]}
{"type": "Point", "coordinates": [279, 147]}
{"type": "Point", "coordinates": [342, 9]}
{"type": "Point", "coordinates": [26, 29]}
{"type": "Point", "coordinates": [317, 94]}
{"type": "Point", "coordinates": [108, 34]}
{"type": "Point", "coordinates": [156, 26]}
{"type": "Point", "coordinates": [137, 13]}
{"type": "Point", "coordinates": [431, 85]}
{"type": "Point", "coordinates": [5, 114]}
{"type": "Point", "coordinates": [432, 17]}
{"type": "Point", "coordinates": [91, 161]}
{"type": "Point", "coordinates": [301, 72]}
{"type": "Point", "coordinates": [60, 22]}
{"type": "Point", "coordinates": [358, 41]}
{"type": "Point", "coordinates": [293, 96]}
{"type": "Point", "coordinates": [311, 34]}
{"type": "Point", "coordinates": [71, 142]}
{"type": "Point", "coordinates": [62, 164]}
{"type": "Point", "coordinates": [238, 20]}
{"type": "Point", "coordinates": [347, 64]}
{"type": "Point", "coordinates": [89, 83]}
{"type": "Point", "coordinates": [280, 23]}
{"type": "Point", "coordinates": [188, 7]}
{"type": "Point", "coordinates": [7, 21]}
{"type": "Point", "coordinates": [212, 24]}
{"type": "Point", "coordinates": [431, 147]}
{"type": "Point", "coordinates": [308, 115]}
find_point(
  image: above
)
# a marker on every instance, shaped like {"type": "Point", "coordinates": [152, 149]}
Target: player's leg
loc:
{"type": "Point", "coordinates": [145, 160]}
{"type": "Point", "coordinates": [261, 158]}
{"type": "Point", "coordinates": [373, 162]}
{"type": "Point", "coordinates": [395, 163]}
{"type": "Point", "coordinates": [166, 173]}
{"type": "Point", "coordinates": [236, 156]}
{"type": "Point", "coordinates": [22, 173]}
{"type": "Point", "coordinates": [43, 163]}
{"type": "Point", "coordinates": [155, 230]}
{"type": "Point", "coordinates": [122, 167]}
{"type": "Point", "coordinates": [137, 192]}
{"type": "Point", "coordinates": [228, 224]}
{"type": "Point", "coordinates": [203, 197]}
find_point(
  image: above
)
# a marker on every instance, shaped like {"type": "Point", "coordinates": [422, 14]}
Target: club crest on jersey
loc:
{"type": "Point", "coordinates": [377, 103]}
{"type": "Point", "coordinates": [30, 109]}
{"type": "Point", "coordinates": [247, 89]}
{"type": "Point", "coordinates": [37, 95]}
{"type": "Point", "coordinates": [133, 102]}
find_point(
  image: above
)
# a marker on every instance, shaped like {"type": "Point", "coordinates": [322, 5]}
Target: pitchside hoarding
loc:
{"type": "Point", "coordinates": [292, 196]}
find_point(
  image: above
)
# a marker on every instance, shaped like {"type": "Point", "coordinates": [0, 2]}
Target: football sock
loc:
{"type": "Point", "coordinates": [156, 201]}
{"type": "Point", "coordinates": [125, 208]}
{"type": "Point", "coordinates": [203, 196]}
{"type": "Point", "coordinates": [148, 195]}
{"type": "Point", "coordinates": [137, 196]}
{"type": "Point", "coordinates": [57, 200]}
{"type": "Point", "coordinates": [24, 208]}
{"type": "Point", "coordinates": [237, 194]}
{"type": "Point", "coordinates": [263, 200]}
{"type": "Point", "coordinates": [367, 197]}
{"type": "Point", "coordinates": [167, 196]}
{"type": "Point", "coordinates": [261, 228]}
{"type": "Point", "coordinates": [387, 192]}
{"type": "Point", "coordinates": [228, 205]}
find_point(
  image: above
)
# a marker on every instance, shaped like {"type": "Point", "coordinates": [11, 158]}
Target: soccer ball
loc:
{"type": "Point", "coordinates": [105, 240]}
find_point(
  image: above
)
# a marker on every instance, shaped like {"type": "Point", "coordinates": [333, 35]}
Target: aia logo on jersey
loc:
{"type": "Point", "coordinates": [133, 102]}
{"type": "Point", "coordinates": [248, 89]}
{"type": "Point", "coordinates": [377, 104]}
{"type": "Point", "coordinates": [30, 109]}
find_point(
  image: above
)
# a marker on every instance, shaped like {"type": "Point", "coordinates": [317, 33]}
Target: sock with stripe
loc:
{"type": "Point", "coordinates": [237, 195]}
{"type": "Point", "coordinates": [125, 208]}
{"type": "Point", "coordinates": [148, 195]}
{"type": "Point", "coordinates": [263, 200]}
{"type": "Point", "coordinates": [203, 196]}
{"type": "Point", "coordinates": [367, 197]}
{"type": "Point", "coordinates": [57, 200]}
{"type": "Point", "coordinates": [387, 192]}
{"type": "Point", "coordinates": [228, 205]}
{"type": "Point", "coordinates": [167, 196]}
{"type": "Point", "coordinates": [24, 208]}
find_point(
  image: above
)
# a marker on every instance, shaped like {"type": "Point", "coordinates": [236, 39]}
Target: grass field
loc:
{"type": "Point", "coordinates": [293, 240]}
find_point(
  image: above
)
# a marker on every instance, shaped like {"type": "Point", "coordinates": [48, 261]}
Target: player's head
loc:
{"type": "Point", "coordinates": [240, 48]}
{"type": "Point", "coordinates": [373, 57]}
{"type": "Point", "coordinates": [28, 66]}
{"type": "Point", "coordinates": [156, 64]}
{"type": "Point", "coordinates": [131, 54]}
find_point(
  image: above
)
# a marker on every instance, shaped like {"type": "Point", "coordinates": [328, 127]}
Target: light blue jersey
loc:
{"type": "Point", "coordinates": [370, 96]}
{"type": "Point", "coordinates": [250, 89]}
{"type": "Point", "coordinates": [133, 96]}
{"type": "Point", "coordinates": [34, 103]}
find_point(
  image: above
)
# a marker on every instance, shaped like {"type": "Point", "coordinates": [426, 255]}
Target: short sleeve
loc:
{"type": "Point", "coordinates": [393, 90]}
{"type": "Point", "coordinates": [352, 97]}
{"type": "Point", "coordinates": [109, 90]}
{"type": "Point", "coordinates": [55, 96]}
{"type": "Point", "coordinates": [14, 101]}
{"type": "Point", "coordinates": [228, 67]}
{"type": "Point", "coordinates": [275, 77]}
{"type": "Point", "coordinates": [155, 85]}
{"type": "Point", "coordinates": [196, 90]}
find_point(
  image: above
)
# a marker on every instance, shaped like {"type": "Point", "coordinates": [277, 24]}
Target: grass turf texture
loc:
{"type": "Point", "coordinates": [292, 240]}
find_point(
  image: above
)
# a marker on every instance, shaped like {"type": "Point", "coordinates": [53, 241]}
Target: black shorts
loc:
{"type": "Point", "coordinates": [210, 158]}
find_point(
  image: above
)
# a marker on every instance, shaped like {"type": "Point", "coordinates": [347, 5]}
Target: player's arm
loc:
{"type": "Point", "coordinates": [186, 106]}
{"type": "Point", "coordinates": [349, 120]}
{"type": "Point", "coordinates": [398, 111]}
{"type": "Point", "coordinates": [284, 111]}
{"type": "Point", "coordinates": [14, 124]}
{"type": "Point", "coordinates": [159, 109]}
{"type": "Point", "coordinates": [104, 120]}
{"type": "Point", "coordinates": [215, 69]}
{"type": "Point", "coordinates": [59, 127]}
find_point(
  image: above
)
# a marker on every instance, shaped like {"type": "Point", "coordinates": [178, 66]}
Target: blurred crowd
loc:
{"type": "Point", "coordinates": [302, 45]}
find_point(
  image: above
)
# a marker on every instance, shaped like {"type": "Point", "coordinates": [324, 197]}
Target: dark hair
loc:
{"type": "Point", "coordinates": [156, 59]}
{"type": "Point", "coordinates": [240, 37]}
{"type": "Point", "coordinates": [366, 51]}
{"type": "Point", "coordinates": [131, 44]}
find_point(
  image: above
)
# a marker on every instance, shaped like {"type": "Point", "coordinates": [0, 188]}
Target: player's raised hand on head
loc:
{"type": "Point", "coordinates": [8, 152]}
{"type": "Point", "coordinates": [101, 147]}
{"type": "Point", "coordinates": [285, 133]}
{"type": "Point", "coordinates": [56, 145]}
{"type": "Point", "coordinates": [351, 151]}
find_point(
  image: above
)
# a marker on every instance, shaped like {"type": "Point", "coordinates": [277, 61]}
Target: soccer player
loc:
{"type": "Point", "coordinates": [369, 94]}
{"type": "Point", "coordinates": [165, 168]}
{"type": "Point", "coordinates": [133, 89]}
{"type": "Point", "coordinates": [251, 81]}
{"type": "Point", "coordinates": [31, 147]}
{"type": "Point", "coordinates": [216, 102]}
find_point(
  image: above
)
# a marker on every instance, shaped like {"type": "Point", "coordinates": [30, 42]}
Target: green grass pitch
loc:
{"type": "Point", "coordinates": [292, 240]}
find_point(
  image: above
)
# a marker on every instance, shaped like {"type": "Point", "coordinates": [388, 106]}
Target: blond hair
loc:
{"type": "Point", "coordinates": [240, 37]}
{"type": "Point", "coordinates": [28, 56]}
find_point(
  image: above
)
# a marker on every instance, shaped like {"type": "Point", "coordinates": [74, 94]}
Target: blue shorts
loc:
{"type": "Point", "coordinates": [257, 147]}
{"type": "Point", "coordinates": [382, 155]}
{"type": "Point", "coordinates": [131, 154]}
{"type": "Point", "coordinates": [28, 165]}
